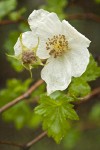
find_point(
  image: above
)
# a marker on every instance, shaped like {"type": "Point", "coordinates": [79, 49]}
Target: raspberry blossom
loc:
{"type": "Point", "coordinates": [25, 50]}
{"type": "Point", "coordinates": [62, 45]}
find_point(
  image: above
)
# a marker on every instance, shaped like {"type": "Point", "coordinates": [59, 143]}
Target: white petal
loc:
{"type": "Point", "coordinates": [17, 48]}
{"type": "Point", "coordinates": [79, 59]}
{"type": "Point", "coordinates": [29, 40]}
{"type": "Point", "coordinates": [57, 74]}
{"type": "Point", "coordinates": [50, 24]}
{"type": "Point", "coordinates": [36, 16]}
{"type": "Point", "coordinates": [54, 23]}
{"type": "Point", "coordinates": [47, 22]}
{"type": "Point", "coordinates": [42, 53]}
{"type": "Point", "coordinates": [72, 33]}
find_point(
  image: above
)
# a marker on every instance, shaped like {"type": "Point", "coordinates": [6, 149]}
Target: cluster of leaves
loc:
{"type": "Point", "coordinates": [57, 110]}
{"type": "Point", "coordinates": [21, 114]}
{"type": "Point", "coordinates": [7, 9]}
{"type": "Point", "coordinates": [56, 6]}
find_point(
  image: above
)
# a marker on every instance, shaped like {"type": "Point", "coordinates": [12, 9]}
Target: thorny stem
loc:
{"type": "Point", "coordinates": [23, 96]}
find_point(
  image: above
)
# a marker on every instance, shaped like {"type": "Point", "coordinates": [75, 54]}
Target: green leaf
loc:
{"type": "Point", "coordinates": [92, 72]}
{"type": "Point", "coordinates": [79, 88]}
{"type": "Point", "coordinates": [54, 113]}
{"type": "Point", "coordinates": [6, 7]}
{"type": "Point", "coordinates": [60, 95]}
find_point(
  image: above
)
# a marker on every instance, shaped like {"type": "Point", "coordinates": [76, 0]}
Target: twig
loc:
{"type": "Point", "coordinates": [83, 16]}
{"type": "Point", "coordinates": [11, 143]}
{"type": "Point", "coordinates": [38, 138]}
{"type": "Point", "coordinates": [95, 92]}
{"type": "Point", "coordinates": [7, 22]}
{"type": "Point", "coordinates": [23, 96]}
{"type": "Point", "coordinates": [28, 145]}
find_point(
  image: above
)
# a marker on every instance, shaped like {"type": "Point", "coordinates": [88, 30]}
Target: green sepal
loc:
{"type": "Point", "coordinates": [15, 57]}
{"type": "Point", "coordinates": [36, 47]}
{"type": "Point", "coordinates": [11, 56]}
{"type": "Point", "coordinates": [24, 48]}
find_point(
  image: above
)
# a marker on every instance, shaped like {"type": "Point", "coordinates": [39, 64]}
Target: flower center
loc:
{"type": "Point", "coordinates": [28, 57]}
{"type": "Point", "coordinates": [57, 45]}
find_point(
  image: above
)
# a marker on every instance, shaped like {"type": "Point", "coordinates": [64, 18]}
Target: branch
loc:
{"type": "Point", "coordinates": [23, 96]}
{"type": "Point", "coordinates": [11, 143]}
{"type": "Point", "coordinates": [95, 92]}
{"type": "Point", "coordinates": [84, 16]}
{"type": "Point", "coordinates": [38, 138]}
{"type": "Point", "coordinates": [28, 145]}
{"type": "Point", "coordinates": [7, 22]}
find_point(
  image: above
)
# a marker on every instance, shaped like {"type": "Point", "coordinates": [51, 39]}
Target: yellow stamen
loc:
{"type": "Point", "coordinates": [57, 45]}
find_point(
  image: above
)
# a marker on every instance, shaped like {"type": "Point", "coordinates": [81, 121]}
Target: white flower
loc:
{"type": "Point", "coordinates": [25, 49]}
{"type": "Point", "coordinates": [63, 46]}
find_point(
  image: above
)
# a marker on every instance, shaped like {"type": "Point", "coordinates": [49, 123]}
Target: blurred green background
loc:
{"type": "Point", "coordinates": [19, 124]}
